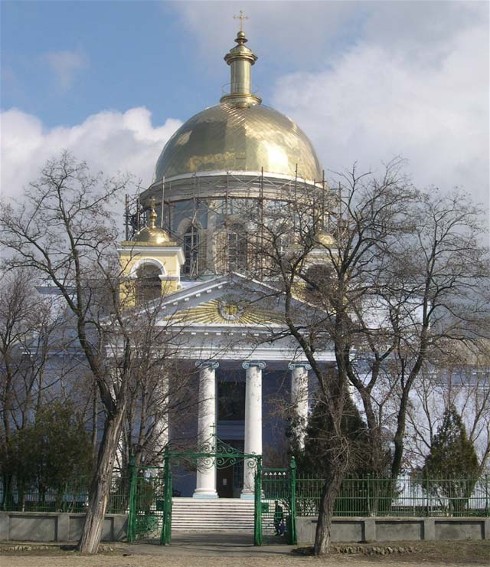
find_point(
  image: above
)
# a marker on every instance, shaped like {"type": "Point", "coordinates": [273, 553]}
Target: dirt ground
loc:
{"type": "Point", "coordinates": [191, 552]}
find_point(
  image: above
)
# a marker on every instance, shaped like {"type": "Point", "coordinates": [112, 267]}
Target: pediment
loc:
{"type": "Point", "coordinates": [225, 301]}
{"type": "Point", "coordinates": [234, 318]}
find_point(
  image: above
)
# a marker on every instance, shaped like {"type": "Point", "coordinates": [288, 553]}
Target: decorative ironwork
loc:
{"type": "Point", "coordinates": [215, 452]}
{"type": "Point", "coordinates": [227, 455]}
{"type": "Point", "coordinates": [156, 515]}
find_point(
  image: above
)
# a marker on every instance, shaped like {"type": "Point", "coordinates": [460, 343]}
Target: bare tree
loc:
{"type": "Point", "coordinates": [158, 387]}
{"type": "Point", "coordinates": [436, 287]}
{"type": "Point", "coordinates": [397, 276]}
{"type": "Point", "coordinates": [33, 368]}
{"type": "Point", "coordinates": [335, 273]}
{"type": "Point", "coordinates": [65, 231]}
{"type": "Point", "coordinates": [461, 380]}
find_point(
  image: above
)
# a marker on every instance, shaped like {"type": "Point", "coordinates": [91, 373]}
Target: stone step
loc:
{"type": "Point", "coordinates": [218, 514]}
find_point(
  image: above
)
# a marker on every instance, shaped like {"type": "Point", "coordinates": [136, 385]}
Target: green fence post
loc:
{"type": "Point", "coordinates": [368, 496]}
{"type": "Point", "coordinates": [487, 510]}
{"type": "Point", "coordinates": [166, 534]}
{"type": "Point", "coordinates": [292, 538]}
{"type": "Point", "coordinates": [132, 500]}
{"type": "Point", "coordinates": [427, 512]}
{"type": "Point", "coordinates": [258, 502]}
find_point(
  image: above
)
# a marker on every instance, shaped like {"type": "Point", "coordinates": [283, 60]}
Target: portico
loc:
{"type": "Point", "coordinates": [251, 386]}
{"type": "Point", "coordinates": [208, 418]}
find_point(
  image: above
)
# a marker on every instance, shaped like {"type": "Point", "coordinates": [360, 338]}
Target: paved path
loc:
{"type": "Point", "coordinates": [201, 550]}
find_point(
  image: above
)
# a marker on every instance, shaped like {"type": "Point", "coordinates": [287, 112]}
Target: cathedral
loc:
{"type": "Point", "coordinates": [221, 178]}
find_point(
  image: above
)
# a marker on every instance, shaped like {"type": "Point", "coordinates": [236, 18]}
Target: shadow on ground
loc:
{"type": "Point", "coordinates": [232, 544]}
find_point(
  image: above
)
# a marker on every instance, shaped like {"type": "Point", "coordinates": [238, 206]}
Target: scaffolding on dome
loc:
{"type": "Point", "coordinates": [233, 196]}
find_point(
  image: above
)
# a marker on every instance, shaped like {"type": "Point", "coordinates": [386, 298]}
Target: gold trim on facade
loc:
{"type": "Point", "coordinates": [227, 310]}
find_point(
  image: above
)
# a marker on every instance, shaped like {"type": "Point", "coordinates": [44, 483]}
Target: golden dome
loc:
{"type": "Point", "coordinates": [239, 134]}
{"type": "Point", "coordinates": [227, 137]}
{"type": "Point", "coordinates": [151, 234]}
{"type": "Point", "coordinates": [156, 236]}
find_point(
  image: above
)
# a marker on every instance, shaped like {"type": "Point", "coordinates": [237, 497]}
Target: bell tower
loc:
{"type": "Point", "coordinates": [151, 264]}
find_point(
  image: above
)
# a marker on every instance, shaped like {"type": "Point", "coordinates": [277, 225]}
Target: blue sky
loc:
{"type": "Point", "coordinates": [367, 81]}
{"type": "Point", "coordinates": [124, 54]}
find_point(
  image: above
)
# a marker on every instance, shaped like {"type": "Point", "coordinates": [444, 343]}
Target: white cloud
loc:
{"type": "Point", "coordinates": [111, 142]}
{"type": "Point", "coordinates": [377, 102]}
{"type": "Point", "coordinates": [65, 65]}
{"type": "Point", "coordinates": [370, 80]}
{"type": "Point", "coordinates": [306, 35]}
{"type": "Point", "coordinates": [298, 26]}
{"type": "Point", "coordinates": [382, 79]}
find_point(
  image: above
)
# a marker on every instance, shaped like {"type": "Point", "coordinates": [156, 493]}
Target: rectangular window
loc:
{"type": "Point", "coordinates": [231, 401]}
{"type": "Point", "coordinates": [191, 252]}
{"type": "Point", "coordinates": [237, 251]}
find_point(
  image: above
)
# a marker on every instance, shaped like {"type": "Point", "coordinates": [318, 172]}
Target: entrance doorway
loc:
{"type": "Point", "coordinates": [229, 474]}
{"type": "Point", "coordinates": [224, 482]}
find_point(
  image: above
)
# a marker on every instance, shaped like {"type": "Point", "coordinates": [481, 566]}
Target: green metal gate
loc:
{"type": "Point", "coordinates": [278, 505]}
{"type": "Point", "coordinates": [149, 494]}
{"type": "Point", "coordinates": [150, 501]}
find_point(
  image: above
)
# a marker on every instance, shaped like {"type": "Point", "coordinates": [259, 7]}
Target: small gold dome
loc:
{"type": "Point", "coordinates": [151, 234]}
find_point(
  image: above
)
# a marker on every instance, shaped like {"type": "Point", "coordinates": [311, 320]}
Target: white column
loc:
{"type": "Point", "coordinates": [162, 423]}
{"type": "Point", "coordinates": [206, 430]}
{"type": "Point", "coordinates": [160, 431]}
{"type": "Point", "coordinates": [253, 423]}
{"type": "Point", "coordinates": [299, 399]}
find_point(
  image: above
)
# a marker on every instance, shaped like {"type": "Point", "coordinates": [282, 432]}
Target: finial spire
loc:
{"type": "Point", "coordinates": [152, 217]}
{"type": "Point", "coordinates": [241, 17]}
{"type": "Point", "coordinates": [240, 59]}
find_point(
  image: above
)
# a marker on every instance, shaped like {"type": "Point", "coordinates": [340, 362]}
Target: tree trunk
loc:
{"type": "Point", "coordinates": [7, 492]}
{"type": "Point", "coordinates": [101, 485]}
{"type": "Point", "coordinates": [323, 535]}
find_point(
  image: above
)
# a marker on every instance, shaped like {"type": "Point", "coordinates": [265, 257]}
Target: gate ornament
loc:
{"type": "Point", "coordinates": [214, 451]}
{"type": "Point", "coordinates": [269, 485]}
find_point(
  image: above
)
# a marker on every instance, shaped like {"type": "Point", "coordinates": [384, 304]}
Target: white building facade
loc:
{"type": "Point", "coordinates": [218, 181]}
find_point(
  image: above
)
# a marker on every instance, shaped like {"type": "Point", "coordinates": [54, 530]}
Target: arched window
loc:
{"type": "Point", "coordinates": [148, 283]}
{"type": "Point", "coordinates": [191, 252]}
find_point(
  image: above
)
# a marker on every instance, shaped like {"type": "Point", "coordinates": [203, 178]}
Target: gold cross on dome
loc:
{"type": "Point", "coordinates": [241, 17]}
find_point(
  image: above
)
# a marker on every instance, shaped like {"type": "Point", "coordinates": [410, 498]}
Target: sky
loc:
{"type": "Point", "coordinates": [368, 81]}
